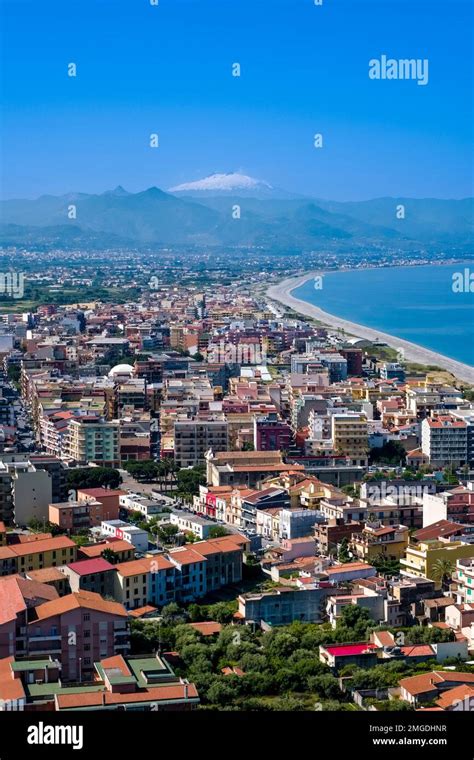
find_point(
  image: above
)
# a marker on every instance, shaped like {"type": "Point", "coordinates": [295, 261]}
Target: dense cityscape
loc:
{"type": "Point", "coordinates": [211, 502]}
{"type": "Point", "coordinates": [236, 378]}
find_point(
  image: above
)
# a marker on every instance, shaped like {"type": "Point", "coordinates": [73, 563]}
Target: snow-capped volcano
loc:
{"type": "Point", "coordinates": [223, 183]}
{"type": "Point", "coordinates": [232, 184]}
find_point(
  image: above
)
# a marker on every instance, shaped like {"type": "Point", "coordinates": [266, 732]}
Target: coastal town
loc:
{"type": "Point", "coordinates": [236, 379]}
{"type": "Point", "coordinates": [212, 501]}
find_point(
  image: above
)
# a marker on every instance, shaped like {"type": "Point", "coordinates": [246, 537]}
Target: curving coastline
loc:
{"type": "Point", "coordinates": [281, 292]}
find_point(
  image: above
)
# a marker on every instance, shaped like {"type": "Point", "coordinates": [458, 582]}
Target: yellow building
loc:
{"type": "Point", "coordinates": [45, 552]}
{"type": "Point", "coordinates": [349, 433]}
{"type": "Point", "coordinates": [377, 541]}
{"type": "Point", "coordinates": [421, 558]}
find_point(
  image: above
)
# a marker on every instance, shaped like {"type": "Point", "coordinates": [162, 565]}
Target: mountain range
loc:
{"type": "Point", "coordinates": [203, 212]}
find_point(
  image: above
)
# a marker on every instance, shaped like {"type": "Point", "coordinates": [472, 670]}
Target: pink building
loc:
{"type": "Point", "coordinates": [77, 629]}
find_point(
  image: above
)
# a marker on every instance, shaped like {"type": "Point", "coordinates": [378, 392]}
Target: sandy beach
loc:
{"type": "Point", "coordinates": [411, 351]}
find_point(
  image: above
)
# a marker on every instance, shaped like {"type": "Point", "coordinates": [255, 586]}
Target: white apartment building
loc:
{"type": "Point", "coordinates": [126, 532]}
{"type": "Point", "coordinates": [444, 441]}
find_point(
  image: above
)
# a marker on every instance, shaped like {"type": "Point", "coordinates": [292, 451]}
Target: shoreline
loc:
{"type": "Point", "coordinates": [281, 292]}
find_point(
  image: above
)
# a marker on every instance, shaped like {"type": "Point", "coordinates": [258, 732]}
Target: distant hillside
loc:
{"type": "Point", "coordinates": [205, 217]}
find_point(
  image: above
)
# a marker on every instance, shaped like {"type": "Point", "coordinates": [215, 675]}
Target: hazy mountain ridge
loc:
{"type": "Point", "coordinates": [207, 216]}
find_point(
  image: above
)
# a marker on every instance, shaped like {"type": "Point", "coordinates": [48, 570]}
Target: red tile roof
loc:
{"type": "Point", "coordinates": [90, 566]}
{"type": "Point", "coordinates": [207, 628]}
{"type": "Point", "coordinates": [171, 693]}
{"type": "Point", "coordinates": [437, 529]}
{"type": "Point", "coordinates": [46, 545]}
{"type": "Point", "coordinates": [457, 694]}
{"type": "Point", "coordinates": [427, 682]}
{"type": "Point", "coordinates": [96, 550]}
{"type": "Point", "coordinates": [145, 565]}
{"type": "Point", "coordinates": [10, 688]}
{"type": "Point", "coordinates": [11, 600]}
{"type": "Point", "coordinates": [81, 599]}
{"type": "Point", "coordinates": [140, 611]}
{"type": "Point", "coordinates": [418, 650]}
{"type": "Point", "coordinates": [186, 556]}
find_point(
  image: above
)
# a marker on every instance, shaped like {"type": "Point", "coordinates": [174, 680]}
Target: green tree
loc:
{"type": "Point", "coordinates": [343, 554]}
{"type": "Point", "coordinates": [218, 531]}
{"type": "Point", "coordinates": [222, 612]}
{"type": "Point", "coordinates": [172, 613]}
{"type": "Point", "coordinates": [167, 533]}
{"type": "Point", "coordinates": [188, 481]}
{"type": "Point", "coordinates": [93, 477]}
{"type": "Point", "coordinates": [110, 556]}
{"type": "Point", "coordinates": [442, 571]}
{"type": "Point", "coordinates": [391, 452]}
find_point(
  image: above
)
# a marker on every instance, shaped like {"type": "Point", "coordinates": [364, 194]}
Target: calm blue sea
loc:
{"type": "Point", "coordinates": [415, 303]}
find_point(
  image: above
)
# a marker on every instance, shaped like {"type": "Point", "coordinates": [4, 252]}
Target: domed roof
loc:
{"type": "Point", "coordinates": [121, 369]}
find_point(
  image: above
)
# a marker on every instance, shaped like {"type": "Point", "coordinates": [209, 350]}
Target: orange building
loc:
{"type": "Point", "coordinates": [108, 498]}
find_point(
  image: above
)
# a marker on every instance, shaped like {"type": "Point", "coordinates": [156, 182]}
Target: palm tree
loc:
{"type": "Point", "coordinates": [442, 571]}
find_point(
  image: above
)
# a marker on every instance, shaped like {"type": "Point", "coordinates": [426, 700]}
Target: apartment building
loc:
{"type": "Point", "coordinates": [25, 492]}
{"type": "Point", "coordinates": [108, 498]}
{"type": "Point", "coordinates": [36, 555]}
{"type": "Point", "coordinates": [79, 629]}
{"type": "Point", "coordinates": [189, 522]}
{"type": "Point", "coordinates": [74, 629]}
{"type": "Point", "coordinates": [377, 541]}
{"type": "Point", "coordinates": [392, 371]}
{"type": "Point", "coordinates": [464, 578]}
{"type": "Point", "coordinates": [421, 558]}
{"type": "Point", "coordinates": [349, 433]}
{"type": "Point", "coordinates": [191, 579]}
{"type": "Point", "coordinates": [283, 605]}
{"type": "Point", "coordinates": [182, 575]}
{"type": "Point", "coordinates": [94, 440]}
{"type": "Point", "coordinates": [32, 492]}
{"type": "Point", "coordinates": [136, 682]}
{"type": "Point", "coordinates": [123, 550]}
{"type": "Point", "coordinates": [270, 433]}
{"type": "Point", "coordinates": [467, 415]}
{"type": "Point", "coordinates": [18, 598]}
{"type": "Point", "coordinates": [224, 560]}
{"type": "Point", "coordinates": [444, 441]}
{"type": "Point", "coordinates": [245, 468]}
{"type": "Point", "coordinates": [150, 580]}
{"type": "Point", "coordinates": [6, 495]}
{"type": "Point", "coordinates": [455, 504]}
{"type": "Point", "coordinates": [328, 535]}
{"type": "Point", "coordinates": [72, 516]}
{"type": "Point", "coordinates": [194, 437]}
{"type": "Point", "coordinates": [96, 575]}
{"type": "Point", "coordinates": [370, 600]}
{"type": "Point", "coordinates": [126, 532]}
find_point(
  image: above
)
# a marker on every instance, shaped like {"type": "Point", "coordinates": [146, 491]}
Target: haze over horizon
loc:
{"type": "Point", "coordinates": [224, 183]}
{"type": "Point", "coordinates": [174, 77]}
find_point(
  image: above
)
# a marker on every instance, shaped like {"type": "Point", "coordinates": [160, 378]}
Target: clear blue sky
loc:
{"type": "Point", "coordinates": [167, 69]}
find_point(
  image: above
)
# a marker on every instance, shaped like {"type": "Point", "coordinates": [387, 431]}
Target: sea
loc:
{"type": "Point", "coordinates": [430, 305]}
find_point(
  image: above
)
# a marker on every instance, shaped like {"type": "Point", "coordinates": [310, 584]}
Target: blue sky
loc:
{"type": "Point", "coordinates": [304, 69]}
